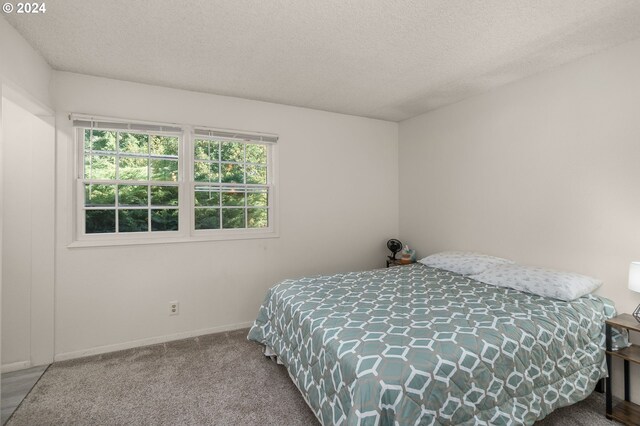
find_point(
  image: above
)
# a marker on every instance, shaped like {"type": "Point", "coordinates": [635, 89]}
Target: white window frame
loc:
{"type": "Point", "coordinates": [269, 186]}
{"type": "Point", "coordinates": [186, 186]}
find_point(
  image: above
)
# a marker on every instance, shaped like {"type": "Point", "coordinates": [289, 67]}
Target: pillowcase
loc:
{"type": "Point", "coordinates": [463, 262]}
{"type": "Point", "coordinates": [543, 282]}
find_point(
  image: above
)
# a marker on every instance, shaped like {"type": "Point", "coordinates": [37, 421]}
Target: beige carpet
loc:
{"type": "Point", "coordinates": [219, 379]}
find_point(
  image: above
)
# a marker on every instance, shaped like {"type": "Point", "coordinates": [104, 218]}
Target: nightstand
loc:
{"type": "Point", "coordinates": [396, 262]}
{"type": "Point", "coordinates": [624, 411]}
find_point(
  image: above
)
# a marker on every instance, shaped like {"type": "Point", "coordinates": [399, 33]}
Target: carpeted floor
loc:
{"type": "Point", "coordinates": [219, 379]}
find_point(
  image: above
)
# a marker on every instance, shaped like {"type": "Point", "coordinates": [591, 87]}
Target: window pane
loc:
{"type": "Point", "coordinates": [232, 218]}
{"type": "Point", "coordinates": [99, 167]}
{"type": "Point", "coordinates": [206, 150]}
{"type": "Point", "coordinates": [257, 198]}
{"type": "Point", "coordinates": [133, 168]}
{"type": "Point", "coordinates": [206, 172]}
{"type": "Point", "coordinates": [100, 195]}
{"type": "Point", "coordinates": [257, 218]}
{"type": "Point", "coordinates": [257, 153]}
{"type": "Point", "coordinates": [127, 156]}
{"type": "Point", "coordinates": [164, 170]}
{"type": "Point", "coordinates": [256, 174]}
{"type": "Point", "coordinates": [164, 195]}
{"type": "Point", "coordinates": [207, 218]}
{"type": "Point", "coordinates": [87, 139]}
{"type": "Point", "coordinates": [102, 140]}
{"type": "Point", "coordinates": [207, 196]}
{"type": "Point", "coordinates": [233, 198]}
{"type": "Point", "coordinates": [163, 145]}
{"type": "Point", "coordinates": [232, 173]}
{"type": "Point", "coordinates": [164, 220]}
{"type": "Point", "coordinates": [134, 143]}
{"type": "Point", "coordinates": [232, 151]}
{"type": "Point", "coordinates": [100, 221]}
{"type": "Point", "coordinates": [133, 195]}
{"type": "Point", "coordinates": [133, 220]}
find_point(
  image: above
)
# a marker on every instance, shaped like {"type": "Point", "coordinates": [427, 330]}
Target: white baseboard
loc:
{"type": "Point", "coordinates": [148, 341]}
{"type": "Point", "coordinates": [15, 366]}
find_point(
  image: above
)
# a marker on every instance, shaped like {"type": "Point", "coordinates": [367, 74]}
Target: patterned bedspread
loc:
{"type": "Point", "coordinates": [414, 345]}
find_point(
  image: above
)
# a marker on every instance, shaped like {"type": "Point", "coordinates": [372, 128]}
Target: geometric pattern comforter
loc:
{"type": "Point", "coordinates": [414, 345]}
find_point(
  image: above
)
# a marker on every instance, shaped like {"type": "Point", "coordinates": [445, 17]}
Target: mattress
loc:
{"type": "Point", "coordinates": [414, 345]}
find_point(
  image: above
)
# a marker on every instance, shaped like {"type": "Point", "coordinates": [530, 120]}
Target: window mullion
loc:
{"type": "Point", "coordinates": [117, 186]}
{"type": "Point", "coordinates": [90, 154]}
{"type": "Point", "coordinates": [244, 182]}
{"type": "Point", "coordinates": [186, 192]}
{"type": "Point", "coordinates": [149, 223]}
{"type": "Point", "coordinates": [117, 208]}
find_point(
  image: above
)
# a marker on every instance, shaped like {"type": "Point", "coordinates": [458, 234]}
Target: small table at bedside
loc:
{"type": "Point", "coordinates": [396, 262]}
{"type": "Point", "coordinates": [624, 411]}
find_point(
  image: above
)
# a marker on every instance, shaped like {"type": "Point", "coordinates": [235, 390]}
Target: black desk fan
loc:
{"type": "Point", "coordinates": [395, 246]}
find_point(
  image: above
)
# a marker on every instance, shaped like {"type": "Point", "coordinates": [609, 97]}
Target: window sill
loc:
{"type": "Point", "coordinates": [170, 240]}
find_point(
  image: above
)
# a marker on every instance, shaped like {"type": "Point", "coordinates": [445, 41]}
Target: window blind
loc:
{"type": "Point", "coordinates": [106, 123]}
{"type": "Point", "coordinates": [232, 134]}
{"type": "Point", "coordinates": [85, 121]}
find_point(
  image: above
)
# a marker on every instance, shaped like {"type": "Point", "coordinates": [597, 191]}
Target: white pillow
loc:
{"type": "Point", "coordinates": [463, 262]}
{"type": "Point", "coordinates": [543, 282]}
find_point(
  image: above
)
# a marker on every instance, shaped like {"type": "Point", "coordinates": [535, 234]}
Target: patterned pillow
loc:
{"type": "Point", "coordinates": [463, 262]}
{"type": "Point", "coordinates": [543, 282]}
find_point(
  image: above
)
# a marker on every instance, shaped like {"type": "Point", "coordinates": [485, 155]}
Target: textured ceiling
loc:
{"type": "Point", "coordinates": [389, 59]}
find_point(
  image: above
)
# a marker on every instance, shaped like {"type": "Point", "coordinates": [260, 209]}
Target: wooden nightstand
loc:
{"type": "Point", "coordinates": [624, 411]}
{"type": "Point", "coordinates": [396, 262]}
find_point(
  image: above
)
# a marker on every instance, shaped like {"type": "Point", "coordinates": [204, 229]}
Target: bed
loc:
{"type": "Point", "coordinates": [416, 345]}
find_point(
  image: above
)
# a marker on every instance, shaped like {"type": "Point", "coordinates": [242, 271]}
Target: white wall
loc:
{"type": "Point", "coordinates": [21, 66]}
{"type": "Point", "coordinates": [24, 74]}
{"type": "Point", "coordinates": [338, 189]}
{"type": "Point", "coordinates": [1, 220]}
{"type": "Point", "coordinates": [16, 242]}
{"type": "Point", "coordinates": [28, 240]}
{"type": "Point", "coordinates": [544, 171]}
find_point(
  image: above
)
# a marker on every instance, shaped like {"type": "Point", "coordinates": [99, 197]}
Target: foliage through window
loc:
{"type": "Point", "coordinates": [137, 181]}
{"type": "Point", "coordinates": [231, 188]}
{"type": "Point", "coordinates": [130, 182]}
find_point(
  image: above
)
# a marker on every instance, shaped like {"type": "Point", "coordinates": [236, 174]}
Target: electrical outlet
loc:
{"type": "Point", "coordinates": [174, 307]}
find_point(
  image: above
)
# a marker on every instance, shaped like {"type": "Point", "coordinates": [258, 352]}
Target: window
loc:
{"type": "Point", "coordinates": [231, 185]}
{"type": "Point", "coordinates": [130, 182]}
{"type": "Point", "coordinates": [155, 181]}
